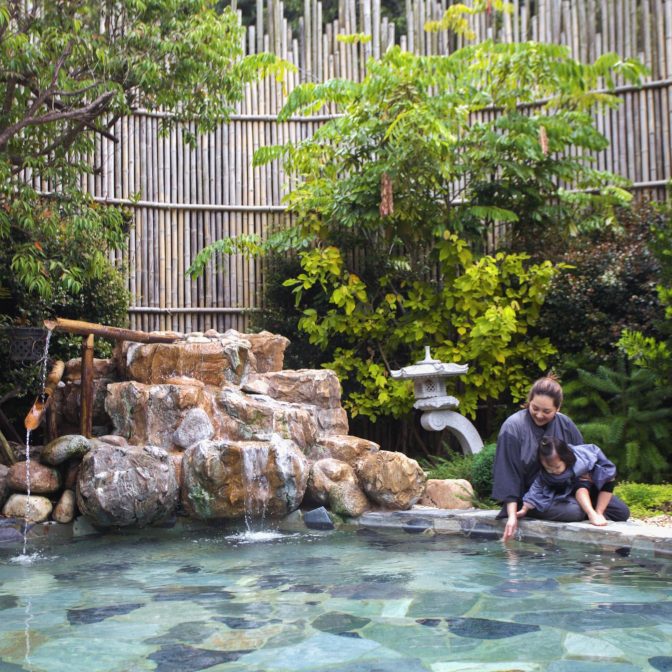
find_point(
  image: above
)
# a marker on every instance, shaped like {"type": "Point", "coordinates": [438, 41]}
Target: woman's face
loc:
{"type": "Point", "coordinates": [542, 409]}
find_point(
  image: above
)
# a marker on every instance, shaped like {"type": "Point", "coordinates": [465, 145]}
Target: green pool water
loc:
{"type": "Point", "coordinates": [366, 601]}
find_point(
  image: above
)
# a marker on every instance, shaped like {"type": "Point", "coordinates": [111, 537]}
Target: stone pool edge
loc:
{"type": "Point", "coordinates": [618, 537]}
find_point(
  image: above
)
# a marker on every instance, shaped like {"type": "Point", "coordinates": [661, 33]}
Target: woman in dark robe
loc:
{"type": "Point", "coordinates": [516, 464]}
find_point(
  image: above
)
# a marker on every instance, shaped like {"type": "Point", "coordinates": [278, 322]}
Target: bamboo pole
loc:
{"type": "Point", "coordinates": [86, 388]}
{"type": "Point", "coordinates": [85, 328]}
{"type": "Point", "coordinates": [36, 413]}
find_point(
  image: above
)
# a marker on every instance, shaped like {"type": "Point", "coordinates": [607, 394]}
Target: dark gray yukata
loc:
{"type": "Point", "coordinates": [516, 466]}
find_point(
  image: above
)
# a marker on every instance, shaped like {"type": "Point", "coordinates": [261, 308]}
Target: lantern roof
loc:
{"type": "Point", "coordinates": [430, 368]}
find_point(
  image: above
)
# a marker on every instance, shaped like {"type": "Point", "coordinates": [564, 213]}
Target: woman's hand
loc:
{"type": "Point", "coordinates": [510, 527]}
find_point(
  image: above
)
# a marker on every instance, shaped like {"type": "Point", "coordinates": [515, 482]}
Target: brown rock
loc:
{"type": "Point", "coordinates": [212, 361]}
{"type": "Point", "coordinates": [70, 478]}
{"type": "Point", "coordinates": [269, 349]}
{"type": "Point", "coordinates": [102, 368]}
{"type": "Point", "coordinates": [43, 479]}
{"type": "Point", "coordinates": [149, 414]}
{"type": "Point", "coordinates": [324, 474]}
{"type": "Point", "coordinates": [34, 509]}
{"type": "Point", "coordinates": [342, 447]}
{"type": "Point", "coordinates": [347, 499]}
{"type": "Point", "coordinates": [391, 479]}
{"type": "Point", "coordinates": [64, 511]}
{"type": "Point", "coordinates": [454, 493]}
{"type": "Point", "coordinates": [243, 417]}
{"type": "Point", "coordinates": [317, 387]}
{"type": "Point", "coordinates": [232, 479]}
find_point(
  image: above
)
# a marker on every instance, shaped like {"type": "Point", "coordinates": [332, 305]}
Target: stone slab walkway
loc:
{"type": "Point", "coordinates": [619, 537]}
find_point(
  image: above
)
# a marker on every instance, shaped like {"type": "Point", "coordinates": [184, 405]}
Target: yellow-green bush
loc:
{"type": "Point", "coordinates": [646, 500]}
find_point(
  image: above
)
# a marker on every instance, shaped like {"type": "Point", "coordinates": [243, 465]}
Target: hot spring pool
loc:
{"type": "Point", "coordinates": [367, 601]}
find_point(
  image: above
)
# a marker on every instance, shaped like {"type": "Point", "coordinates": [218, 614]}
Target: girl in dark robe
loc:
{"type": "Point", "coordinates": [583, 472]}
{"type": "Point", "coordinates": [516, 464]}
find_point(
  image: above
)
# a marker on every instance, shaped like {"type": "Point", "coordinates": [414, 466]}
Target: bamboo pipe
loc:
{"type": "Point", "coordinates": [86, 391]}
{"type": "Point", "coordinates": [37, 410]}
{"type": "Point", "coordinates": [86, 328]}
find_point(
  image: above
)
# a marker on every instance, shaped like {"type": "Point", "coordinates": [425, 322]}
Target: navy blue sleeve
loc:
{"type": "Point", "coordinates": [507, 477]}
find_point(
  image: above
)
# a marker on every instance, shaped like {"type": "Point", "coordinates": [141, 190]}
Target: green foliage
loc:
{"type": "Point", "coordinates": [628, 416]}
{"type": "Point", "coordinates": [454, 467]}
{"type": "Point", "coordinates": [654, 352]}
{"type": "Point", "coordinates": [477, 469]}
{"type": "Point", "coordinates": [389, 241]}
{"type": "Point", "coordinates": [69, 70]}
{"type": "Point", "coordinates": [482, 470]}
{"type": "Point", "coordinates": [646, 500]}
{"type": "Point", "coordinates": [607, 285]}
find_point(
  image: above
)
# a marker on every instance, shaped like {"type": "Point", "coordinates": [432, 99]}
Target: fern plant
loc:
{"type": "Point", "coordinates": [624, 412]}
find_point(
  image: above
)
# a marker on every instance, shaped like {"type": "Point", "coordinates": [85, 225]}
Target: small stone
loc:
{"type": "Point", "coordinates": [347, 499]}
{"type": "Point", "coordinates": [64, 512]}
{"type": "Point", "coordinates": [64, 448]}
{"type": "Point", "coordinates": [41, 478]}
{"type": "Point", "coordinates": [318, 519]}
{"type": "Point", "coordinates": [34, 509]}
{"type": "Point", "coordinates": [449, 493]}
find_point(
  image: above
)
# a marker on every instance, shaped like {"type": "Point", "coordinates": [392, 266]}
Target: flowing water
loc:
{"type": "Point", "coordinates": [182, 600]}
{"type": "Point", "coordinates": [44, 362]}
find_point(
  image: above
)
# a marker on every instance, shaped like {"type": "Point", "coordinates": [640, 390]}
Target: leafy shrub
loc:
{"type": "Point", "coordinates": [477, 469]}
{"type": "Point", "coordinates": [609, 284]}
{"type": "Point", "coordinates": [627, 415]}
{"type": "Point", "coordinates": [459, 466]}
{"type": "Point", "coordinates": [481, 473]}
{"type": "Point", "coordinates": [644, 499]}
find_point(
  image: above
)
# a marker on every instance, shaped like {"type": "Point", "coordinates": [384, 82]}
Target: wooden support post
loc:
{"type": "Point", "coordinates": [7, 450]}
{"type": "Point", "coordinates": [86, 391]}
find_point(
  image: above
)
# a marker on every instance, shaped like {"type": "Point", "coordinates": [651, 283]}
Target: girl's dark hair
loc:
{"type": "Point", "coordinates": [550, 445]}
{"type": "Point", "coordinates": [548, 386]}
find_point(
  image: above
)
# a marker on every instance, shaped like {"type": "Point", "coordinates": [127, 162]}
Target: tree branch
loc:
{"type": "Point", "coordinates": [89, 112]}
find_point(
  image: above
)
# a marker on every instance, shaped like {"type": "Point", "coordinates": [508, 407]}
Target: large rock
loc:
{"type": "Point", "coordinates": [150, 414]}
{"type": "Point", "coordinates": [391, 479]}
{"type": "Point", "coordinates": [214, 361]}
{"type": "Point", "coordinates": [449, 493]}
{"type": "Point", "coordinates": [324, 474]}
{"type": "Point", "coordinates": [153, 414]}
{"type": "Point", "coordinates": [119, 486]}
{"type": "Point", "coordinates": [64, 448]}
{"type": "Point", "coordinates": [244, 417]}
{"type": "Point", "coordinates": [317, 387]}
{"type": "Point", "coordinates": [34, 509]}
{"type": "Point", "coordinates": [42, 479]}
{"type": "Point", "coordinates": [345, 448]}
{"type": "Point", "coordinates": [233, 479]}
{"type": "Point", "coordinates": [268, 349]}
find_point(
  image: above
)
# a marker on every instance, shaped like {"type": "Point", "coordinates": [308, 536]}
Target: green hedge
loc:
{"type": "Point", "coordinates": [646, 500]}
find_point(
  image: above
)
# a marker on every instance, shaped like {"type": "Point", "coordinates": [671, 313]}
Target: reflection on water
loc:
{"type": "Point", "coordinates": [268, 601]}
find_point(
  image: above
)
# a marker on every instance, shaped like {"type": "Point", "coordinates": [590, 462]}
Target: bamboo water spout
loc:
{"type": "Point", "coordinates": [88, 330]}
{"type": "Point", "coordinates": [38, 409]}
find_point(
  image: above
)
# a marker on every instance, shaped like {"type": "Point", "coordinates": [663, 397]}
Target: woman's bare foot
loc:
{"type": "Point", "coordinates": [597, 519]}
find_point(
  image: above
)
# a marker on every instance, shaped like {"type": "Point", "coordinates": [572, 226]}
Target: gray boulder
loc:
{"type": "Point", "coordinates": [118, 486]}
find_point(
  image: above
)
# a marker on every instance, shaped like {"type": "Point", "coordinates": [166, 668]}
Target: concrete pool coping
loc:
{"type": "Point", "coordinates": [617, 537]}
{"type": "Point", "coordinates": [621, 538]}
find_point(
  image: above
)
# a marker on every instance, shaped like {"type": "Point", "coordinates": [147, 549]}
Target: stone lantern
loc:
{"type": "Point", "coordinates": [429, 385]}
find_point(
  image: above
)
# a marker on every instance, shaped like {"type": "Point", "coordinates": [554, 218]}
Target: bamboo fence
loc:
{"type": "Point", "coordinates": [184, 198]}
